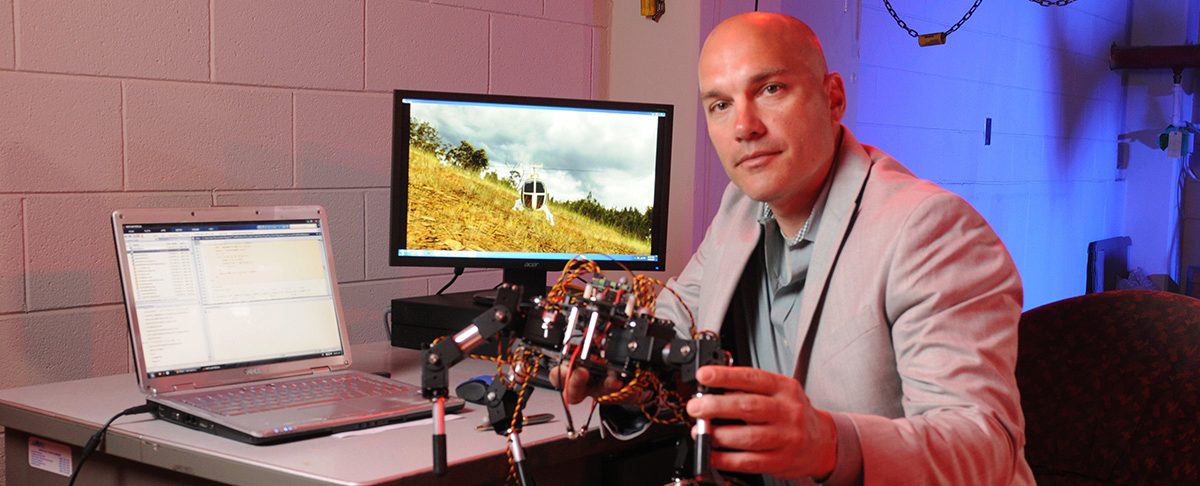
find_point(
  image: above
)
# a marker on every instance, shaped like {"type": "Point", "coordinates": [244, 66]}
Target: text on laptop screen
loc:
{"type": "Point", "coordinates": [217, 295]}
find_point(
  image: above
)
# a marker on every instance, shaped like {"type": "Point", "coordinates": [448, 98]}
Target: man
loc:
{"type": "Point", "coordinates": [879, 311]}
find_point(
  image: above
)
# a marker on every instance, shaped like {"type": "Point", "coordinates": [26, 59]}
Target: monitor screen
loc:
{"type": "Point", "coordinates": [526, 184]}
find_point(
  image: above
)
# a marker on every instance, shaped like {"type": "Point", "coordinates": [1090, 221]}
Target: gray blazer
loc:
{"type": "Point", "coordinates": [916, 340]}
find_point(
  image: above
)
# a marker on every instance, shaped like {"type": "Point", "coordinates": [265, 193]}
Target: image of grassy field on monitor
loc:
{"type": "Point", "coordinates": [508, 179]}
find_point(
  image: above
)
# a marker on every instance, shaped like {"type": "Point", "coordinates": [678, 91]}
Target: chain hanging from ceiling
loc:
{"type": "Point", "coordinates": [935, 38]}
{"type": "Point", "coordinates": [938, 38]}
{"type": "Point", "coordinates": [1053, 3]}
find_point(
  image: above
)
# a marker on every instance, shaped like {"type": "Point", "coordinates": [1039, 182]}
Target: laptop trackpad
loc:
{"type": "Point", "coordinates": [316, 413]}
{"type": "Point", "coordinates": [333, 410]}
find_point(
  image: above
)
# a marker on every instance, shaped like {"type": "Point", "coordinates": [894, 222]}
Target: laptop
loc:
{"type": "Point", "coordinates": [237, 327]}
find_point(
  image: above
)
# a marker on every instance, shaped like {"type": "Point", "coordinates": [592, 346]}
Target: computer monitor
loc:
{"type": "Point", "coordinates": [526, 184]}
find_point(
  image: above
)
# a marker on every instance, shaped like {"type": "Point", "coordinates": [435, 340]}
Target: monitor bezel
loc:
{"type": "Point", "coordinates": [399, 179]}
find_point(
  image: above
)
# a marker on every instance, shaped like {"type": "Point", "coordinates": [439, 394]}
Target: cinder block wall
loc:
{"type": "Point", "coordinates": [1047, 178]}
{"type": "Point", "coordinates": [128, 103]}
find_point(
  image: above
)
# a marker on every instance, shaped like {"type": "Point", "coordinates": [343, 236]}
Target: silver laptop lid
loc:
{"type": "Point", "coordinates": [229, 294]}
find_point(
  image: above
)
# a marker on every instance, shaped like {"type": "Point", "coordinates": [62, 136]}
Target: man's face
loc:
{"type": "Point", "coordinates": [773, 115]}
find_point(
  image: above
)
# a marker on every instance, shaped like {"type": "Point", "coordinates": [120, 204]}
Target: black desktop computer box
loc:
{"type": "Point", "coordinates": [418, 321]}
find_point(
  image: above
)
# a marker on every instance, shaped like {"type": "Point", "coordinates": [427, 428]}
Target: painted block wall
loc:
{"type": "Point", "coordinates": [127, 103]}
{"type": "Point", "coordinates": [1048, 181]}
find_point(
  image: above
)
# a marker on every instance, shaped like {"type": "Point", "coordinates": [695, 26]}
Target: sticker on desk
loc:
{"type": "Point", "coordinates": [50, 456]}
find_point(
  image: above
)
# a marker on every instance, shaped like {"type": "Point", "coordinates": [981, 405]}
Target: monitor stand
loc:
{"type": "Point", "coordinates": [533, 281]}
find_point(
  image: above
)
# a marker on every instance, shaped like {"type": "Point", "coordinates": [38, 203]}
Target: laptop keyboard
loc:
{"type": "Point", "coordinates": [290, 394]}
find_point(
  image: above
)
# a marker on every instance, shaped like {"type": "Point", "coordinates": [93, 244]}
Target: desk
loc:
{"type": "Point", "coordinates": [141, 450]}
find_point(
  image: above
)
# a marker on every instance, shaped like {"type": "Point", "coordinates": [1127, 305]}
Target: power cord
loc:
{"type": "Point", "coordinates": [387, 322]}
{"type": "Point", "coordinates": [387, 314]}
{"type": "Point", "coordinates": [94, 442]}
{"type": "Point", "coordinates": [457, 271]}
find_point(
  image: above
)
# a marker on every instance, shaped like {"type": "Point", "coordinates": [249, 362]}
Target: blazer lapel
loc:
{"type": "Point", "coordinates": [737, 244]}
{"type": "Point", "coordinates": [850, 169]}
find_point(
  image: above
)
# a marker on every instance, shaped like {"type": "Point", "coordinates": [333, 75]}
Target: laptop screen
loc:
{"type": "Point", "coordinates": [210, 296]}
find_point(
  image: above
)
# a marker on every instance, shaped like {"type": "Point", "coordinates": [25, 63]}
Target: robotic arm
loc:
{"type": "Point", "coordinates": [437, 360]}
{"type": "Point", "coordinates": [601, 327]}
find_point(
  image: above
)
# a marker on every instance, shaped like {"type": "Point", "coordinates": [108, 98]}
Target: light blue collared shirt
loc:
{"type": "Point", "coordinates": [773, 342]}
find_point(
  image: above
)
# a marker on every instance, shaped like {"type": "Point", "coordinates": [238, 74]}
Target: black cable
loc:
{"type": "Point", "coordinates": [93, 443]}
{"type": "Point", "coordinates": [457, 271]}
{"type": "Point", "coordinates": [755, 5]}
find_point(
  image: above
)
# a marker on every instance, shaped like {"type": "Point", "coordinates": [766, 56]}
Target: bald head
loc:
{"type": "Point", "coordinates": [757, 30]}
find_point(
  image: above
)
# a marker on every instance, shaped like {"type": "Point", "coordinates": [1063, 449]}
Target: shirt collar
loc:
{"type": "Point", "coordinates": [766, 217]}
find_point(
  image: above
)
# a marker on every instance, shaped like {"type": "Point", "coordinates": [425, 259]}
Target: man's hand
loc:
{"type": "Point", "coordinates": [783, 434]}
{"type": "Point", "coordinates": [577, 388]}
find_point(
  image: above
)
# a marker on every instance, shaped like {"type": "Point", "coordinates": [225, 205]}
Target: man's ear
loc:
{"type": "Point", "coordinates": [835, 92]}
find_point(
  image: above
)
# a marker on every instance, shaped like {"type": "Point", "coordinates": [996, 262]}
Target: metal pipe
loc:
{"type": "Point", "coordinates": [1154, 57]}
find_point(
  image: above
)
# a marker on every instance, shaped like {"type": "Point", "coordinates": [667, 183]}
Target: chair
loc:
{"type": "Point", "coordinates": [1107, 263]}
{"type": "Point", "coordinates": [1110, 386]}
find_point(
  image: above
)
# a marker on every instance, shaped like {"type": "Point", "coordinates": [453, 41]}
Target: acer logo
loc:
{"type": "Point", "coordinates": [531, 264]}
{"type": "Point", "coordinates": [252, 371]}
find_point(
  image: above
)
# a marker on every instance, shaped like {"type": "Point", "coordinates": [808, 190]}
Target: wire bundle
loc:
{"type": "Point", "coordinates": [611, 305]}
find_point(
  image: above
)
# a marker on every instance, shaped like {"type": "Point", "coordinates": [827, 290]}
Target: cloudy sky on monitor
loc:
{"type": "Point", "coordinates": [608, 153]}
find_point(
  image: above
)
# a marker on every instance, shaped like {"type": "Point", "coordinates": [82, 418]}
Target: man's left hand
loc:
{"type": "Point", "coordinates": [783, 434]}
